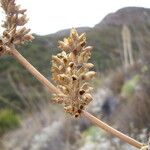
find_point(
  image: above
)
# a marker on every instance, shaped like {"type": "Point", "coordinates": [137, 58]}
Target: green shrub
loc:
{"type": "Point", "coordinates": [8, 120]}
{"type": "Point", "coordinates": [92, 133]}
{"type": "Point", "coordinates": [129, 86]}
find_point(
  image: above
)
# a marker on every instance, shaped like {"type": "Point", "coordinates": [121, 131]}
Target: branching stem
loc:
{"type": "Point", "coordinates": [15, 54]}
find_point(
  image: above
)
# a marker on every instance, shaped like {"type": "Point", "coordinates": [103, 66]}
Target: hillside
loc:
{"type": "Point", "coordinates": [105, 37]}
{"type": "Point", "coordinates": [127, 15]}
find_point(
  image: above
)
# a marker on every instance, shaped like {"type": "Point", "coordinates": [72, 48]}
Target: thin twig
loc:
{"type": "Point", "coordinates": [14, 53]}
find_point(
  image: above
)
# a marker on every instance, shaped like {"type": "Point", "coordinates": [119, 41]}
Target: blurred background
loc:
{"type": "Point", "coordinates": [120, 34]}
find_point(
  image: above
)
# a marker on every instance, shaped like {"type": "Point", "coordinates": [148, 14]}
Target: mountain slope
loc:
{"type": "Point", "coordinates": [107, 54]}
{"type": "Point", "coordinates": [127, 15]}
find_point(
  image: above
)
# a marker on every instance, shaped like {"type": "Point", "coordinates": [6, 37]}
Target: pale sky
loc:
{"type": "Point", "coordinates": [49, 16]}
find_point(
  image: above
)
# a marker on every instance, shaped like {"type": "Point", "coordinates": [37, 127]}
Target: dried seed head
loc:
{"type": "Point", "coordinates": [70, 71]}
{"type": "Point", "coordinates": [15, 33]}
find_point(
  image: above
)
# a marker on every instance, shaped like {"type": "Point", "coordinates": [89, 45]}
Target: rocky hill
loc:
{"type": "Point", "coordinates": [128, 16]}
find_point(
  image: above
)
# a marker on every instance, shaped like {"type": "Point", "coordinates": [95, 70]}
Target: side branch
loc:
{"type": "Point", "coordinates": [111, 130]}
{"type": "Point", "coordinates": [14, 53]}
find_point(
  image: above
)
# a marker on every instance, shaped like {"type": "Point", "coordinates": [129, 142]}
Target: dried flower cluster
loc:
{"type": "Point", "coordinates": [15, 33]}
{"type": "Point", "coordinates": [70, 71]}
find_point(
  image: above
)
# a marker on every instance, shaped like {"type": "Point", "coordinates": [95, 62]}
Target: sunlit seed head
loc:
{"type": "Point", "coordinates": [15, 32]}
{"type": "Point", "coordinates": [71, 72]}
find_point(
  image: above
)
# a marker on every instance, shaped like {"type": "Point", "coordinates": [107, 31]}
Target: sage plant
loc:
{"type": "Point", "coordinates": [70, 68]}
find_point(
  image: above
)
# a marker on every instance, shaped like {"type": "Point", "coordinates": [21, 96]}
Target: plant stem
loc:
{"type": "Point", "coordinates": [14, 53]}
{"type": "Point", "coordinates": [111, 130]}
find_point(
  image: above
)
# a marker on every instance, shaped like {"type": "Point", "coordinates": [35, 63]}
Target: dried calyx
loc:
{"type": "Point", "coordinates": [15, 33]}
{"type": "Point", "coordinates": [70, 71]}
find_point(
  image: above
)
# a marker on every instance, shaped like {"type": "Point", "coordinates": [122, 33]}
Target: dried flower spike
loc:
{"type": "Point", "coordinates": [15, 33]}
{"type": "Point", "coordinates": [70, 71]}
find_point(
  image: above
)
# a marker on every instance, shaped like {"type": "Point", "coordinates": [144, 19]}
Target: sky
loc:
{"type": "Point", "coordinates": [50, 16]}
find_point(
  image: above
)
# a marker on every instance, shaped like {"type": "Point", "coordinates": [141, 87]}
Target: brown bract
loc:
{"type": "Point", "coordinates": [70, 71]}
{"type": "Point", "coordinates": [1, 47]}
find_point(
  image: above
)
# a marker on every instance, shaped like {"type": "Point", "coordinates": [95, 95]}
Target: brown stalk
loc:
{"type": "Point", "coordinates": [111, 130]}
{"type": "Point", "coordinates": [15, 54]}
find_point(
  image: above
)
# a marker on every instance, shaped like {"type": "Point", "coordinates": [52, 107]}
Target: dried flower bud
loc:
{"type": "Point", "coordinates": [2, 48]}
{"type": "Point", "coordinates": [22, 20]}
{"type": "Point", "coordinates": [88, 65]}
{"type": "Point", "coordinates": [1, 42]}
{"type": "Point", "coordinates": [82, 37]}
{"type": "Point", "coordinates": [13, 19]}
{"type": "Point", "coordinates": [71, 64]}
{"type": "Point", "coordinates": [74, 77]}
{"type": "Point", "coordinates": [27, 38]}
{"type": "Point", "coordinates": [74, 35]}
{"type": "Point", "coordinates": [68, 109]}
{"type": "Point", "coordinates": [63, 45]}
{"type": "Point", "coordinates": [57, 60]}
{"type": "Point", "coordinates": [63, 79]}
{"type": "Point", "coordinates": [82, 44]}
{"type": "Point", "coordinates": [84, 57]}
{"type": "Point", "coordinates": [81, 92]}
{"type": "Point", "coordinates": [6, 34]}
{"type": "Point", "coordinates": [22, 11]}
{"type": "Point", "coordinates": [55, 69]}
{"type": "Point", "coordinates": [81, 107]}
{"type": "Point", "coordinates": [87, 97]}
{"type": "Point", "coordinates": [76, 115]}
{"type": "Point", "coordinates": [89, 75]}
{"type": "Point", "coordinates": [58, 100]}
{"type": "Point", "coordinates": [88, 48]}
{"type": "Point", "coordinates": [85, 86]}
